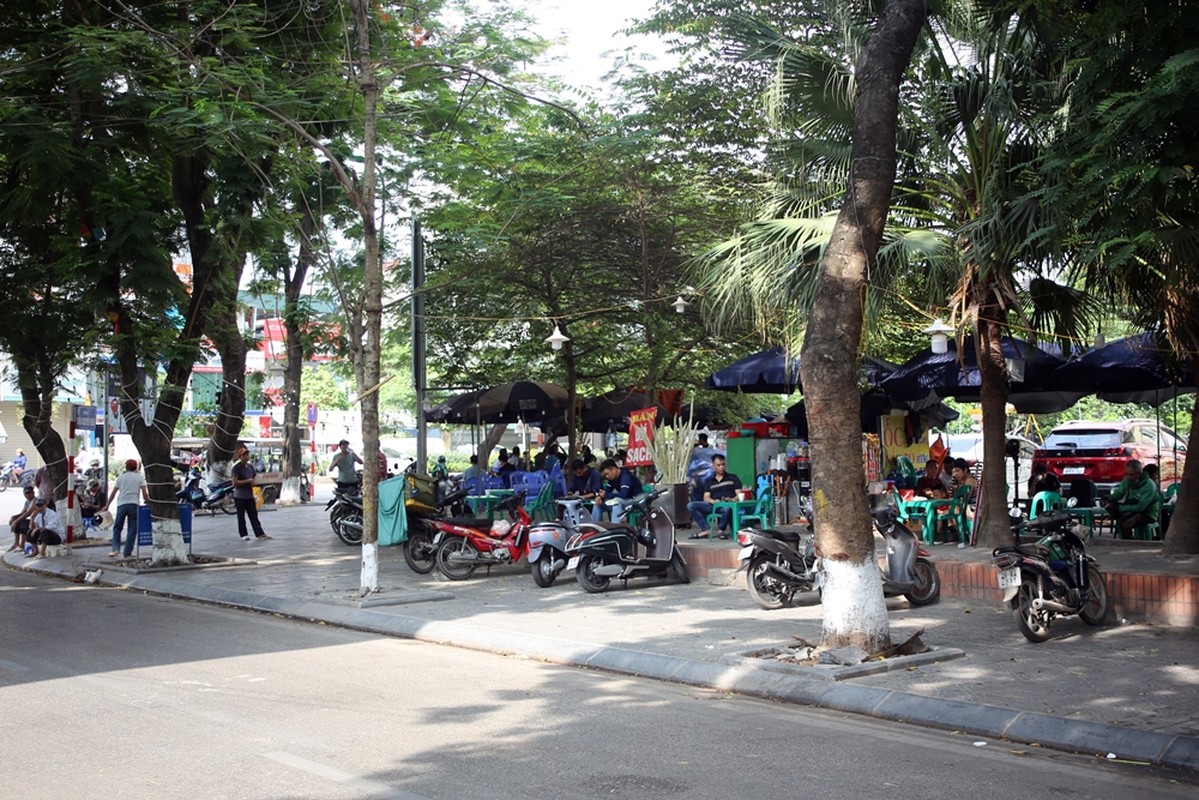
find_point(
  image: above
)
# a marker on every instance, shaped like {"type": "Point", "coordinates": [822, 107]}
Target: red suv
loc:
{"type": "Point", "coordinates": [1099, 451]}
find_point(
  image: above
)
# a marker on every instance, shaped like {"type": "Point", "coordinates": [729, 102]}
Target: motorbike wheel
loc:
{"type": "Point", "coordinates": [4, 479]}
{"type": "Point", "coordinates": [766, 590]}
{"type": "Point", "coordinates": [928, 583]}
{"type": "Point", "coordinates": [419, 553]}
{"type": "Point", "coordinates": [1096, 608]}
{"type": "Point", "coordinates": [591, 583]}
{"type": "Point", "coordinates": [349, 528]}
{"type": "Point", "coordinates": [227, 505]}
{"type": "Point", "coordinates": [453, 546]}
{"type": "Point", "coordinates": [544, 573]}
{"type": "Point", "coordinates": [1032, 623]}
{"type": "Point", "coordinates": [679, 567]}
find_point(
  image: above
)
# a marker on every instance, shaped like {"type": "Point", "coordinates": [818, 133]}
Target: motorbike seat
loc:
{"type": "Point", "coordinates": [791, 537]}
{"type": "Point", "coordinates": [477, 523]}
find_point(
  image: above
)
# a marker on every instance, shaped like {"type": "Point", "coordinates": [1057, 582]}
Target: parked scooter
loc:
{"type": "Point", "coordinates": [600, 551]}
{"type": "Point", "coordinates": [547, 542]}
{"type": "Point", "coordinates": [908, 569]}
{"type": "Point", "coordinates": [218, 496]}
{"type": "Point", "coordinates": [778, 566]}
{"type": "Point", "coordinates": [465, 545]}
{"type": "Point", "coordinates": [1053, 577]}
{"type": "Point", "coordinates": [345, 514]}
{"type": "Point", "coordinates": [420, 551]}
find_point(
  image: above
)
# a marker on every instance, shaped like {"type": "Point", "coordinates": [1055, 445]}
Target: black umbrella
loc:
{"type": "Point", "coordinates": [1132, 370]}
{"type": "Point", "coordinates": [875, 405]}
{"type": "Point", "coordinates": [611, 410]}
{"type": "Point", "coordinates": [772, 372]}
{"type": "Point", "coordinates": [945, 376]}
{"type": "Point", "coordinates": [523, 400]}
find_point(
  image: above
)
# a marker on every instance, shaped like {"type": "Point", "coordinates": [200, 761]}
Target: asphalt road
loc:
{"type": "Point", "coordinates": [116, 695]}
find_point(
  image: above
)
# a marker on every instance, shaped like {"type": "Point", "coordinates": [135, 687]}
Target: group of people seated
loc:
{"type": "Point", "coordinates": [1135, 502]}
{"type": "Point", "coordinates": [938, 484]}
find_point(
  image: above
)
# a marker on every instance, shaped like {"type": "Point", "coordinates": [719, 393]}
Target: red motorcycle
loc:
{"type": "Point", "coordinates": [465, 545]}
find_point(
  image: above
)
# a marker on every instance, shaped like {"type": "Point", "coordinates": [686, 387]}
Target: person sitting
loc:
{"type": "Point", "coordinates": [45, 528]}
{"type": "Point", "coordinates": [1042, 480]}
{"type": "Point", "coordinates": [721, 486]}
{"type": "Point", "coordinates": [930, 484]}
{"type": "Point", "coordinates": [1136, 501]}
{"type": "Point", "coordinates": [505, 469]}
{"type": "Point", "coordinates": [473, 471]}
{"type": "Point", "coordinates": [91, 501]}
{"type": "Point", "coordinates": [517, 461]}
{"type": "Point", "coordinates": [584, 483]}
{"type": "Point", "coordinates": [18, 464]}
{"type": "Point", "coordinates": [960, 471]}
{"type": "Point", "coordinates": [440, 471]}
{"type": "Point", "coordinates": [19, 523]}
{"type": "Point", "coordinates": [1151, 471]}
{"type": "Point", "coordinates": [620, 487]}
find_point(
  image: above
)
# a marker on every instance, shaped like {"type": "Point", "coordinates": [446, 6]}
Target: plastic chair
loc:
{"type": "Point", "coordinates": [956, 514]}
{"type": "Point", "coordinates": [764, 511]}
{"type": "Point", "coordinates": [543, 503]}
{"type": "Point", "coordinates": [1045, 502]}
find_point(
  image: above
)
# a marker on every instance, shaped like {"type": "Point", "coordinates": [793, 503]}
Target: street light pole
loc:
{"type": "Point", "coordinates": [419, 374]}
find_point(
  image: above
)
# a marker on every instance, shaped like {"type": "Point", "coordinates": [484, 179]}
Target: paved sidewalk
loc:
{"type": "Point", "coordinates": [1129, 689]}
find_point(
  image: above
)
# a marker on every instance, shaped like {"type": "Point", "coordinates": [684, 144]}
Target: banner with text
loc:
{"type": "Point", "coordinates": [641, 431]}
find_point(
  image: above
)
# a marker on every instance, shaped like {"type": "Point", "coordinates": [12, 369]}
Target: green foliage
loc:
{"type": "Point", "coordinates": [321, 386]}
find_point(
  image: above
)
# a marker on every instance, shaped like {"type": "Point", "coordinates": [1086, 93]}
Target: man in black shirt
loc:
{"type": "Point", "coordinates": [721, 486]}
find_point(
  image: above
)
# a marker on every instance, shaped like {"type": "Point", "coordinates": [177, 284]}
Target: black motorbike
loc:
{"type": "Point", "coordinates": [345, 513]}
{"type": "Point", "coordinates": [601, 551]}
{"type": "Point", "coordinates": [218, 496]}
{"type": "Point", "coordinates": [778, 565]}
{"type": "Point", "coordinates": [1052, 577]}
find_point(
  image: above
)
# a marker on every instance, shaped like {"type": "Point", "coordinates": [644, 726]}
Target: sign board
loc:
{"type": "Point", "coordinates": [145, 525]}
{"type": "Point", "coordinates": [641, 432]}
{"type": "Point", "coordinates": [312, 414]}
{"type": "Point", "coordinates": [85, 416]}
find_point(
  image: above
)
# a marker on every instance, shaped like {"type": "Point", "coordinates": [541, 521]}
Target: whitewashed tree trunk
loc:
{"type": "Point", "coordinates": [854, 608]}
{"type": "Point", "coordinates": [289, 495]}
{"type": "Point", "coordinates": [169, 547]}
{"type": "Point", "coordinates": [370, 568]}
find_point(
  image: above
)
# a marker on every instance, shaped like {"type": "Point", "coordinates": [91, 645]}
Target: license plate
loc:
{"type": "Point", "coordinates": [1072, 471]}
{"type": "Point", "coordinates": [573, 563]}
{"type": "Point", "coordinates": [745, 553]}
{"type": "Point", "coordinates": [1009, 578]}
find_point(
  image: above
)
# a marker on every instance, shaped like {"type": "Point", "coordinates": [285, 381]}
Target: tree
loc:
{"type": "Point", "coordinates": [854, 609]}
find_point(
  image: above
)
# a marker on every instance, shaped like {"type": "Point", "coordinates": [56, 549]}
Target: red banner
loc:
{"type": "Point", "coordinates": [641, 431]}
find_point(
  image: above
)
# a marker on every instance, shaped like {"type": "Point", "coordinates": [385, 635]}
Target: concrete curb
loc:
{"type": "Point", "coordinates": [1045, 730]}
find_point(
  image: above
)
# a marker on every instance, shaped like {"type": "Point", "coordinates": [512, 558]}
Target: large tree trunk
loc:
{"type": "Point", "coordinates": [231, 345]}
{"type": "Point", "coordinates": [854, 611]}
{"type": "Point", "coordinates": [991, 526]}
{"type": "Point", "coordinates": [1183, 536]}
{"type": "Point", "coordinates": [369, 347]}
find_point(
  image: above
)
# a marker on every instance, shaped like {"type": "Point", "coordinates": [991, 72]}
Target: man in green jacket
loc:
{"type": "Point", "coordinates": [1136, 501]}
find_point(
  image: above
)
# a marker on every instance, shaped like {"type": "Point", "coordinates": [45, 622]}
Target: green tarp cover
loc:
{"type": "Point", "coordinates": [393, 517]}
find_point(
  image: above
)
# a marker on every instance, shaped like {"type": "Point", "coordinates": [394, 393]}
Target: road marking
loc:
{"type": "Point", "coordinates": [375, 788]}
{"type": "Point", "coordinates": [12, 666]}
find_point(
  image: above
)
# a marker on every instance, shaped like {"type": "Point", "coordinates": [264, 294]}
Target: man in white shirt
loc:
{"type": "Point", "coordinates": [46, 528]}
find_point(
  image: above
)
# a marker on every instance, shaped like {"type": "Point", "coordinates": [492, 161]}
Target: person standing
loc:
{"type": "Point", "coordinates": [45, 529]}
{"type": "Point", "coordinates": [343, 461]}
{"type": "Point", "coordinates": [43, 483]}
{"type": "Point", "coordinates": [125, 490]}
{"type": "Point", "coordinates": [243, 496]}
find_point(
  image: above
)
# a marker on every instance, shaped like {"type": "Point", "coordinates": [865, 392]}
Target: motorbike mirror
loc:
{"type": "Point", "coordinates": [1015, 513]}
{"type": "Point", "coordinates": [1071, 502]}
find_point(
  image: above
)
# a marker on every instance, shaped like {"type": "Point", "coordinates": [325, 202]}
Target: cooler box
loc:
{"type": "Point", "coordinates": [420, 492]}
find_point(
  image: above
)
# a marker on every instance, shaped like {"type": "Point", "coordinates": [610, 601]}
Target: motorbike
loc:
{"type": "Point", "coordinates": [777, 565]}
{"type": "Point", "coordinates": [907, 569]}
{"type": "Point", "coordinates": [420, 550]}
{"type": "Point", "coordinates": [601, 551]}
{"type": "Point", "coordinates": [345, 514]}
{"type": "Point", "coordinates": [464, 545]}
{"type": "Point", "coordinates": [547, 542]}
{"type": "Point", "coordinates": [8, 475]}
{"type": "Point", "coordinates": [1052, 577]}
{"type": "Point", "coordinates": [218, 496]}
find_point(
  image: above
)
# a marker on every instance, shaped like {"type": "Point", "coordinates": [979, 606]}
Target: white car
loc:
{"type": "Point", "coordinates": [970, 447]}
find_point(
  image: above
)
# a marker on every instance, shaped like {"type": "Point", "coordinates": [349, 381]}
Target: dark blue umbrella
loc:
{"type": "Point", "coordinates": [767, 372]}
{"type": "Point", "coordinates": [1132, 370]}
{"type": "Point", "coordinates": [944, 375]}
{"type": "Point", "coordinates": [772, 372]}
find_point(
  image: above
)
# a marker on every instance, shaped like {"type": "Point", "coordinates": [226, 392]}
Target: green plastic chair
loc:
{"type": "Point", "coordinates": [1044, 502]}
{"type": "Point", "coordinates": [764, 511]}
{"type": "Point", "coordinates": [543, 505]}
{"type": "Point", "coordinates": [956, 513]}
